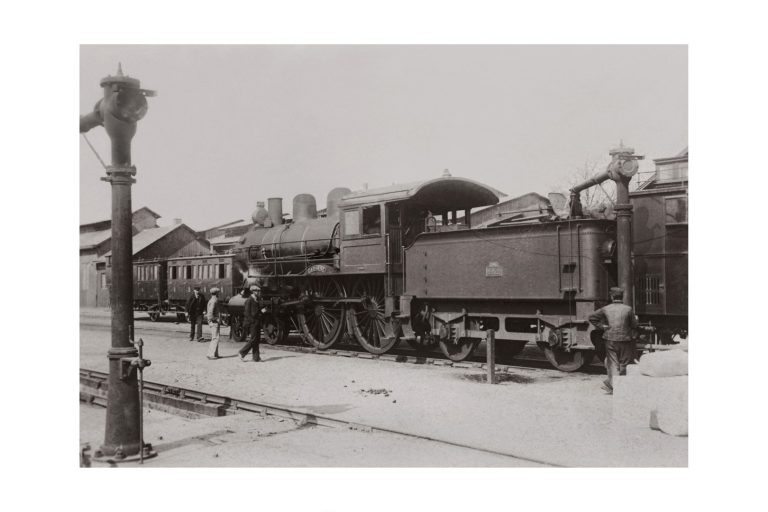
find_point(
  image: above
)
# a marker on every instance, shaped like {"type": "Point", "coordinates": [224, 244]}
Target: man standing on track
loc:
{"type": "Point", "coordinates": [214, 317]}
{"type": "Point", "coordinates": [195, 312]}
{"type": "Point", "coordinates": [617, 321]}
{"type": "Point", "coordinates": [252, 324]}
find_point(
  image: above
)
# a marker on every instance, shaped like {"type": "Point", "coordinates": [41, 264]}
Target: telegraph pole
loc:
{"type": "Point", "coordinates": [122, 106]}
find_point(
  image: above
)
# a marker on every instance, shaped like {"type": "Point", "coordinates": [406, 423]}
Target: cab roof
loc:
{"type": "Point", "coordinates": [441, 194]}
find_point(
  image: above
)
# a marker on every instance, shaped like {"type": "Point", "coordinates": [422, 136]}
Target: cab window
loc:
{"type": "Point", "coordinates": [372, 220]}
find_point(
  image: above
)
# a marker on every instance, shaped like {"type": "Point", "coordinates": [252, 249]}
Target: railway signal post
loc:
{"type": "Point", "coordinates": [121, 107]}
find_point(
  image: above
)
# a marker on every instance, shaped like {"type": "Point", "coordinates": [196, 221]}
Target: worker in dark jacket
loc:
{"type": "Point", "coordinates": [253, 310]}
{"type": "Point", "coordinates": [195, 310]}
{"type": "Point", "coordinates": [617, 321]}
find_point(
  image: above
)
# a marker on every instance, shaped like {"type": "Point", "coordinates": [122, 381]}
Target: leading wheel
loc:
{"type": "Point", "coordinates": [320, 320]}
{"type": "Point", "coordinates": [274, 329]}
{"type": "Point", "coordinates": [460, 350]}
{"type": "Point", "coordinates": [367, 319]}
{"type": "Point", "coordinates": [236, 327]}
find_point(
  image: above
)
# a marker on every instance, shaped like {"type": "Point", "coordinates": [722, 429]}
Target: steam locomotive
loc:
{"type": "Point", "coordinates": [405, 263]}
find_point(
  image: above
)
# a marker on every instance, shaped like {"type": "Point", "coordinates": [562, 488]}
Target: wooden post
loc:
{"type": "Point", "coordinates": [490, 349]}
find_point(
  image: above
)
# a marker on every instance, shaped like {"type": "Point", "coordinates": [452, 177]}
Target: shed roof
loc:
{"type": "Point", "coordinates": [147, 237]}
{"type": "Point", "coordinates": [446, 193]}
{"type": "Point", "coordinates": [91, 239]}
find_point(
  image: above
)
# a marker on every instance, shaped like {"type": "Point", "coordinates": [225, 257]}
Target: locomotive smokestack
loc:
{"type": "Point", "coordinates": [275, 207]}
{"type": "Point", "coordinates": [332, 201]}
{"type": "Point", "coordinates": [304, 207]}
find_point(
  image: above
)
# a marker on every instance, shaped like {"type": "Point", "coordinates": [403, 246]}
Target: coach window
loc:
{"type": "Point", "coordinates": [223, 270]}
{"type": "Point", "coordinates": [174, 272]}
{"type": "Point", "coordinates": [372, 220]}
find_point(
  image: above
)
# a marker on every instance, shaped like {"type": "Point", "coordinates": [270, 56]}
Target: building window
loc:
{"type": "Point", "coordinates": [672, 172]}
{"type": "Point", "coordinates": [372, 220]}
{"type": "Point", "coordinates": [676, 209]}
{"type": "Point", "coordinates": [352, 223]}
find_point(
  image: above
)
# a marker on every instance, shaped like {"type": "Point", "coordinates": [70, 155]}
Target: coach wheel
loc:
{"type": "Point", "coordinates": [321, 322]}
{"type": "Point", "coordinates": [367, 319]}
{"type": "Point", "coordinates": [275, 330]}
{"type": "Point", "coordinates": [460, 350]}
{"type": "Point", "coordinates": [509, 349]}
{"type": "Point", "coordinates": [154, 315]}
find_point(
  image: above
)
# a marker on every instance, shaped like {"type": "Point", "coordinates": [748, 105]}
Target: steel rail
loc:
{"type": "Point", "coordinates": [293, 414]}
{"type": "Point", "coordinates": [404, 356]}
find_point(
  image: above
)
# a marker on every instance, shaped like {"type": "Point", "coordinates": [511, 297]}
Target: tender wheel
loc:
{"type": "Point", "coordinates": [568, 361]}
{"type": "Point", "coordinates": [367, 320]}
{"type": "Point", "coordinates": [274, 329]}
{"type": "Point", "coordinates": [154, 315]}
{"type": "Point", "coordinates": [322, 323]}
{"type": "Point", "coordinates": [506, 350]}
{"type": "Point", "coordinates": [460, 350]}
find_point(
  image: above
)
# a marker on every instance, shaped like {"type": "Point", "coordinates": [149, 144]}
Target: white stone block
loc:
{"type": "Point", "coordinates": [668, 363]}
{"type": "Point", "coordinates": [636, 396]}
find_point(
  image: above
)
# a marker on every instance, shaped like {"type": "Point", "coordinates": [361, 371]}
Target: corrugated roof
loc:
{"type": "Point", "coordinates": [94, 238]}
{"type": "Point", "coordinates": [147, 237]}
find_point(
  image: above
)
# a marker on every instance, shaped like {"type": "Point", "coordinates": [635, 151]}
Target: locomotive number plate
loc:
{"type": "Point", "coordinates": [494, 270]}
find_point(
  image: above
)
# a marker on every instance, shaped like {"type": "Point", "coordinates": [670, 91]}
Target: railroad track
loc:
{"type": "Point", "coordinates": [399, 355]}
{"type": "Point", "coordinates": [196, 404]}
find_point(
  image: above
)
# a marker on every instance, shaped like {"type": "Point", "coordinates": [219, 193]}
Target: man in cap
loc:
{"type": "Point", "coordinates": [617, 321]}
{"type": "Point", "coordinates": [195, 312]}
{"type": "Point", "coordinates": [253, 310]}
{"type": "Point", "coordinates": [214, 317]}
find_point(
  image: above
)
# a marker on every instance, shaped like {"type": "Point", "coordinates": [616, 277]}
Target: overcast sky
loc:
{"type": "Point", "coordinates": [233, 125]}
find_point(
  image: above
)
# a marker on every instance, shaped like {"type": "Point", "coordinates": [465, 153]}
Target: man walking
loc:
{"type": "Point", "coordinates": [195, 311]}
{"type": "Point", "coordinates": [252, 324]}
{"type": "Point", "coordinates": [617, 321]}
{"type": "Point", "coordinates": [214, 316]}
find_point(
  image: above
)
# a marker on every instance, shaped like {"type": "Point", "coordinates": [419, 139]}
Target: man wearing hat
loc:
{"type": "Point", "coordinates": [253, 310]}
{"type": "Point", "coordinates": [195, 311]}
{"type": "Point", "coordinates": [214, 317]}
{"type": "Point", "coordinates": [617, 321]}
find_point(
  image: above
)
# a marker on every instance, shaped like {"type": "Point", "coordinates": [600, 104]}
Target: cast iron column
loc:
{"type": "Point", "coordinates": [621, 169]}
{"type": "Point", "coordinates": [118, 111]}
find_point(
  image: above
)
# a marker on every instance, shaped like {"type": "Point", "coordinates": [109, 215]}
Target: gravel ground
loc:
{"type": "Point", "coordinates": [540, 415]}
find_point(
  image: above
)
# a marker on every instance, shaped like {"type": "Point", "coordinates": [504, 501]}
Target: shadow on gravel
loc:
{"type": "Point", "coordinates": [500, 379]}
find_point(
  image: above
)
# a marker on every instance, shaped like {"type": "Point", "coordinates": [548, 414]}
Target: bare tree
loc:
{"type": "Point", "coordinates": [596, 198]}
